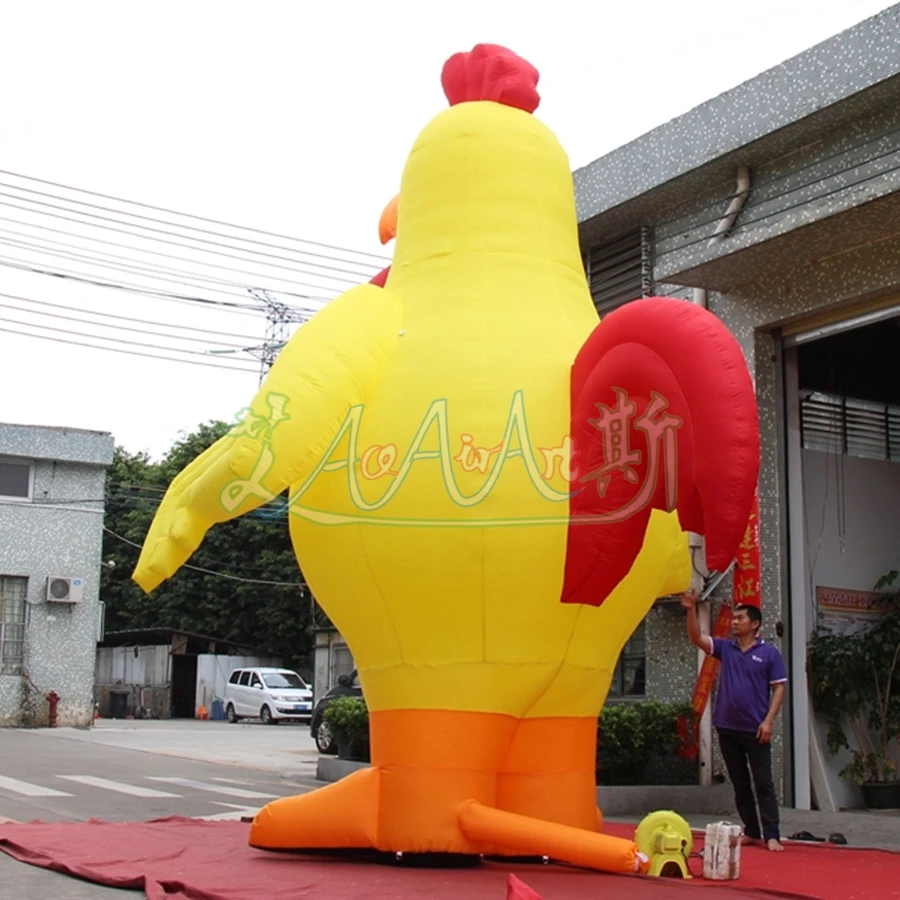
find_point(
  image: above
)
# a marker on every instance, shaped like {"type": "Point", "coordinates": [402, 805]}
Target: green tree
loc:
{"type": "Point", "coordinates": [253, 549]}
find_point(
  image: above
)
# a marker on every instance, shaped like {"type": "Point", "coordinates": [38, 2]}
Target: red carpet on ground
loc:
{"type": "Point", "coordinates": [189, 859]}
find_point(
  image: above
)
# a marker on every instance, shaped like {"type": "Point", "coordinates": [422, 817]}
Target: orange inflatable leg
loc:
{"type": "Point", "coordinates": [522, 835]}
{"type": "Point", "coordinates": [434, 785]}
{"type": "Point", "coordinates": [431, 761]}
{"type": "Point", "coordinates": [549, 772]}
{"type": "Point", "coordinates": [425, 763]}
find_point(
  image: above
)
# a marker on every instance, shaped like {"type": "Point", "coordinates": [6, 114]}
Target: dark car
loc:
{"type": "Point", "coordinates": [347, 686]}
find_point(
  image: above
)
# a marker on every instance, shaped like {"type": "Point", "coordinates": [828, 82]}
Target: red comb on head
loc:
{"type": "Point", "coordinates": [491, 72]}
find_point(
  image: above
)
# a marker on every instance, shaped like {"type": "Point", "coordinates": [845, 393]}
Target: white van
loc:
{"type": "Point", "coordinates": [267, 694]}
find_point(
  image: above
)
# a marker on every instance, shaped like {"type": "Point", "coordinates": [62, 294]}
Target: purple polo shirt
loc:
{"type": "Point", "coordinates": [742, 701]}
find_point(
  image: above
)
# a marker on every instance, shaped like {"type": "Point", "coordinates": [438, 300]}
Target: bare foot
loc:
{"type": "Point", "coordinates": [750, 841]}
{"type": "Point", "coordinates": [775, 846]}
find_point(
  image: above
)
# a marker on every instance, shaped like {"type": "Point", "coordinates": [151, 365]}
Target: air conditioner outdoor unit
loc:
{"type": "Point", "coordinates": [63, 589]}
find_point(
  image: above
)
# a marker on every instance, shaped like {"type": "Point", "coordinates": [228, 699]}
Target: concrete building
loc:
{"type": "Point", "coordinates": [777, 205]}
{"type": "Point", "coordinates": [52, 483]}
{"type": "Point", "coordinates": [164, 673]}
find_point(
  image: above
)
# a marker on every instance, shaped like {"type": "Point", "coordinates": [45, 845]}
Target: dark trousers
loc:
{"type": "Point", "coordinates": [738, 749]}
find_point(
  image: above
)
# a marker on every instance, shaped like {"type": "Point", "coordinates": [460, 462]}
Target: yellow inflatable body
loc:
{"type": "Point", "coordinates": [423, 429]}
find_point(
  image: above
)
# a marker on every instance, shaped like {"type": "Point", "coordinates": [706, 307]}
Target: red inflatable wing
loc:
{"type": "Point", "coordinates": [664, 416]}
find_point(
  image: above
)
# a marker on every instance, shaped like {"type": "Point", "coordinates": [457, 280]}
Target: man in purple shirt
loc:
{"type": "Point", "coordinates": [751, 690]}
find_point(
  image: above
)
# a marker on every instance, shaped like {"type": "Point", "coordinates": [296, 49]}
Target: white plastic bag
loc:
{"type": "Point", "coordinates": [722, 851]}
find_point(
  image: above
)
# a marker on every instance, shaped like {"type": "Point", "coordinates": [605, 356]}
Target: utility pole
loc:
{"type": "Point", "coordinates": [278, 316]}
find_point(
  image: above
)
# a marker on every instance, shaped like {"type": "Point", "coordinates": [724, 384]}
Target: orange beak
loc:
{"type": "Point", "coordinates": [387, 227]}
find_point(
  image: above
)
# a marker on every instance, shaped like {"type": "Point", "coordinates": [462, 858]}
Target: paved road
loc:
{"type": "Point", "coordinates": [62, 780]}
{"type": "Point", "coordinates": [286, 748]}
{"type": "Point", "coordinates": [137, 771]}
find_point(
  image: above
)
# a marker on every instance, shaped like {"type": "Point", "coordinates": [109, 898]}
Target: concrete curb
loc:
{"type": "Point", "coordinates": [614, 801]}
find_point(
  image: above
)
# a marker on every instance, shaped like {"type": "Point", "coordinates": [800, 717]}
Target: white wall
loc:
{"type": "Point", "coordinates": [140, 666]}
{"type": "Point", "coordinates": [852, 538]}
{"type": "Point", "coordinates": [213, 672]}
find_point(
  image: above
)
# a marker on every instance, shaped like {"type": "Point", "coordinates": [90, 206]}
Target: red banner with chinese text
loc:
{"type": "Point", "coordinates": [746, 589]}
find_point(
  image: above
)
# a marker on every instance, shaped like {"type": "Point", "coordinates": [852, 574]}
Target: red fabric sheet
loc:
{"type": "Point", "coordinates": [189, 859]}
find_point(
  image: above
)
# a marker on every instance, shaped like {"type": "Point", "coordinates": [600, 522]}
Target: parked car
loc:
{"type": "Point", "coordinates": [347, 686]}
{"type": "Point", "coordinates": [272, 695]}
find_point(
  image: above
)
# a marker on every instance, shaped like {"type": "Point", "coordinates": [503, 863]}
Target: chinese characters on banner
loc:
{"type": "Point", "coordinates": [746, 590]}
{"type": "Point", "coordinates": [846, 612]}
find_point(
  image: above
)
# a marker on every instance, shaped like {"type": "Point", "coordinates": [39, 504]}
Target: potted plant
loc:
{"type": "Point", "coordinates": [348, 720]}
{"type": "Point", "coordinates": [855, 684]}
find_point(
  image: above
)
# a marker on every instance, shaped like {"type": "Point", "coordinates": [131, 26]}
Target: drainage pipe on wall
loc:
{"type": "Point", "coordinates": [726, 222]}
{"type": "Point", "coordinates": [737, 203]}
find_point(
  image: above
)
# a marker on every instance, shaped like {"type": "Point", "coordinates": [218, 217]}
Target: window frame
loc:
{"type": "Point", "coordinates": [19, 461]}
{"type": "Point", "coordinates": [616, 691]}
{"type": "Point", "coordinates": [19, 664]}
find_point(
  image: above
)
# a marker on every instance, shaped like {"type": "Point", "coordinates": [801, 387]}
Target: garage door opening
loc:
{"type": "Point", "coordinates": [842, 397]}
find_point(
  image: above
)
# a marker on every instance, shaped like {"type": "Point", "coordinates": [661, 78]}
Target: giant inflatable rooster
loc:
{"type": "Point", "coordinates": [488, 491]}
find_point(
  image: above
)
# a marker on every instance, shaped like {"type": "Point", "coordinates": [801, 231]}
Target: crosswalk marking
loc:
{"type": "Point", "coordinates": [214, 788]}
{"type": "Point", "coordinates": [237, 812]}
{"type": "Point", "coordinates": [28, 789]}
{"type": "Point", "coordinates": [231, 781]}
{"type": "Point", "coordinates": [107, 785]}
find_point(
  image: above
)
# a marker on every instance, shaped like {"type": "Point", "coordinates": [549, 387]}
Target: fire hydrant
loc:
{"type": "Point", "coordinates": [53, 699]}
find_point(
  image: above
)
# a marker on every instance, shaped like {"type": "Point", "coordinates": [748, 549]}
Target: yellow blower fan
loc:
{"type": "Point", "coordinates": [666, 839]}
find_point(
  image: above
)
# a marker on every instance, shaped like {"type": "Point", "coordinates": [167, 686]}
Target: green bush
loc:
{"type": "Point", "coordinates": [348, 720]}
{"type": "Point", "coordinates": [639, 743]}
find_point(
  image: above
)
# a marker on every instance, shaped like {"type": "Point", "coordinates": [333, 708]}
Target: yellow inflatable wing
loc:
{"type": "Point", "coordinates": [330, 364]}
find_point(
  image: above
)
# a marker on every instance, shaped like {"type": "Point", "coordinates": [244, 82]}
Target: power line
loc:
{"type": "Point", "coordinates": [381, 259]}
{"type": "Point", "coordinates": [139, 271]}
{"type": "Point", "coordinates": [277, 512]}
{"type": "Point", "coordinates": [56, 315]}
{"type": "Point", "coordinates": [155, 231]}
{"type": "Point", "coordinates": [93, 312]}
{"type": "Point", "coordinates": [255, 276]}
{"type": "Point", "coordinates": [123, 264]}
{"type": "Point", "coordinates": [242, 308]}
{"type": "Point", "coordinates": [191, 362]}
{"type": "Point", "coordinates": [206, 231]}
{"type": "Point", "coordinates": [102, 338]}
{"type": "Point", "coordinates": [230, 577]}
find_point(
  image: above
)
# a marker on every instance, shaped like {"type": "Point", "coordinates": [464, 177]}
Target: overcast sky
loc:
{"type": "Point", "coordinates": [295, 118]}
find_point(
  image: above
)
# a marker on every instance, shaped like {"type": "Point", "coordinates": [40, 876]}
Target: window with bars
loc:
{"type": "Point", "coordinates": [630, 675]}
{"type": "Point", "coordinates": [12, 624]}
{"type": "Point", "coordinates": [843, 425]}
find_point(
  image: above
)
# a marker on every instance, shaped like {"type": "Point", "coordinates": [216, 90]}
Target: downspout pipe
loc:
{"type": "Point", "coordinates": [701, 297]}
{"type": "Point", "coordinates": [737, 203]}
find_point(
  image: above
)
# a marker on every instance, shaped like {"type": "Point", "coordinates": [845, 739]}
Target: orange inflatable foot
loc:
{"type": "Point", "coordinates": [343, 814]}
{"type": "Point", "coordinates": [532, 837]}
{"type": "Point", "coordinates": [549, 772]}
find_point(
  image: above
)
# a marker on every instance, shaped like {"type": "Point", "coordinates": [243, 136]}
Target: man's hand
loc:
{"type": "Point", "coordinates": [764, 733]}
{"type": "Point", "coordinates": [689, 599]}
